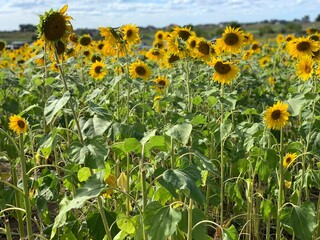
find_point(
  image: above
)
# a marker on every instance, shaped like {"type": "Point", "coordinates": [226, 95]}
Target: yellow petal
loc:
{"type": "Point", "coordinates": [64, 9]}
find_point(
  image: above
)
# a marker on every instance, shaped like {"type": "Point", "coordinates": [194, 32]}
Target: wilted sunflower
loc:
{"type": "Point", "coordinates": [98, 70]}
{"type": "Point", "coordinates": [55, 26]}
{"type": "Point", "coordinates": [130, 34]}
{"type": "Point", "coordinates": [289, 159]}
{"type": "Point", "coordinates": [224, 72]}
{"type": "Point", "coordinates": [232, 40]}
{"type": "Point", "coordinates": [277, 116]}
{"type": "Point", "coordinates": [302, 46]}
{"type": "Point", "coordinates": [140, 69]}
{"type": "Point", "coordinates": [155, 54]}
{"type": "Point", "coordinates": [18, 124]}
{"type": "Point", "coordinates": [2, 45]}
{"type": "Point", "coordinates": [305, 68]}
{"type": "Point", "coordinates": [161, 83]}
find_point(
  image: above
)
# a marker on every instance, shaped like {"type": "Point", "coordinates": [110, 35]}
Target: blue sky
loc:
{"type": "Point", "coordinates": [158, 13]}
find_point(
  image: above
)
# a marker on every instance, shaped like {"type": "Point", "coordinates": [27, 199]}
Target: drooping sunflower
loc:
{"type": "Point", "coordinates": [110, 35]}
{"type": "Point", "coordinates": [155, 54]}
{"type": "Point", "coordinates": [302, 46]}
{"type": "Point", "coordinates": [177, 45]}
{"type": "Point", "coordinates": [98, 70]}
{"type": "Point", "coordinates": [183, 32]}
{"type": "Point", "coordinates": [289, 159]}
{"type": "Point", "coordinates": [2, 45]}
{"type": "Point", "coordinates": [224, 72]}
{"type": "Point", "coordinates": [130, 34]}
{"type": "Point", "coordinates": [277, 116]}
{"type": "Point", "coordinates": [55, 26]}
{"type": "Point", "coordinates": [304, 68]}
{"type": "Point", "coordinates": [203, 49]}
{"type": "Point", "coordinates": [18, 124]}
{"type": "Point", "coordinates": [161, 83]}
{"type": "Point", "coordinates": [140, 69]}
{"type": "Point", "coordinates": [232, 40]}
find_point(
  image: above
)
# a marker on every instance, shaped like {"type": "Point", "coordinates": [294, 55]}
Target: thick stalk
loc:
{"type": "Point", "coordinates": [280, 183]}
{"type": "Point", "coordinates": [25, 187]}
{"type": "Point", "coordinates": [143, 186]}
{"type": "Point", "coordinates": [8, 229]}
{"type": "Point", "coordinates": [221, 159]}
{"type": "Point", "coordinates": [104, 218]}
{"type": "Point", "coordinates": [189, 236]}
{"type": "Point", "coordinates": [128, 184]}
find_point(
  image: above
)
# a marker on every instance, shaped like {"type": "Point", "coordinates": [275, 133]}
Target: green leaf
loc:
{"type": "Point", "coordinates": [83, 174]}
{"type": "Point", "coordinates": [303, 220]}
{"type": "Point", "coordinates": [199, 119]}
{"type": "Point", "coordinates": [296, 103]}
{"type": "Point", "coordinates": [230, 233]}
{"type": "Point", "coordinates": [54, 105]}
{"type": "Point", "coordinates": [157, 142]}
{"type": "Point", "coordinates": [181, 181]}
{"type": "Point", "coordinates": [199, 232]}
{"type": "Point", "coordinates": [92, 188]}
{"type": "Point", "coordinates": [95, 226]}
{"type": "Point", "coordinates": [126, 224]}
{"type": "Point", "coordinates": [132, 145]}
{"type": "Point", "coordinates": [77, 152]}
{"type": "Point", "coordinates": [98, 154]}
{"type": "Point", "coordinates": [265, 209]}
{"type": "Point", "coordinates": [161, 222]}
{"type": "Point", "coordinates": [180, 132]}
{"type": "Point", "coordinates": [212, 101]}
{"type": "Point", "coordinates": [197, 100]}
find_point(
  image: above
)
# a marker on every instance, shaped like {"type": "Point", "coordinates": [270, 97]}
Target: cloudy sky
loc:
{"type": "Point", "coordinates": [158, 13]}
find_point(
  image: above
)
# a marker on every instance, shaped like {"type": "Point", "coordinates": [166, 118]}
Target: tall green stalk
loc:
{"type": "Point", "coordinates": [189, 234]}
{"type": "Point", "coordinates": [280, 183]}
{"type": "Point", "coordinates": [221, 159]}
{"type": "Point", "coordinates": [25, 187]}
{"type": "Point", "coordinates": [104, 218]}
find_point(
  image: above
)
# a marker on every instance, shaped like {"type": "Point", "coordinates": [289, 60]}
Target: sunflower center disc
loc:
{"type": "Point", "coordinates": [276, 114]}
{"type": "Point", "coordinates": [21, 124]}
{"type": "Point", "coordinates": [140, 71]}
{"type": "Point", "coordinates": [303, 46]}
{"type": "Point", "coordinates": [222, 68]}
{"type": "Point", "coordinates": [55, 27]}
{"type": "Point", "coordinates": [98, 69]}
{"type": "Point", "coordinates": [231, 39]}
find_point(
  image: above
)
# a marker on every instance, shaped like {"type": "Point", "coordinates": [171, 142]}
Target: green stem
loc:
{"type": "Point", "coordinates": [25, 187]}
{"type": "Point", "coordinates": [143, 186]}
{"type": "Point", "coordinates": [17, 193]}
{"type": "Point", "coordinates": [104, 218]}
{"type": "Point", "coordinates": [71, 98]}
{"type": "Point", "coordinates": [8, 229]}
{"type": "Point", "coordinates": [189, 102]}
{"type": "Point", "coordinates": [280, 183]}
{"type": "Point", "coordinates": [189, 236]}
{"type": "Point", "coordinates": [221, 159]}
{"type": "Point", "coordinates": [128, 183]}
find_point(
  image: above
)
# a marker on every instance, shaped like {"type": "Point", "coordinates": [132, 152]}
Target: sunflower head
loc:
{"type": "Point", "coordinates": [302, 46]}
{"type": "Point", "coordinates": [2, 45]}
{"type": "Point", "coordinates": [277, 116]}
{"type": "Point", "coordinates": [232, 40]}
{"type": "Point", "coordinates": [224, 72]}
{"type": "Point", "coordinates": [140, 69]}
{"type": "Point", "coordinates": [289, 159]}
{"type": "Point", "coordinates": [130, 34]}
{"type": "Point", "coordinates": [85, 40]}
{"type": "Point", "coordinates": [55, 25]}
{"type": "Point", "coordinates": [98, 70]}
{"type": "Point", "coordinates": [18, 124]}
{"type": "Point", "coordinates": [183, 32]}
{"type": "Point", "coordinates": [305, 68]}
{"type": "Point", "coordinates": [161, 83]}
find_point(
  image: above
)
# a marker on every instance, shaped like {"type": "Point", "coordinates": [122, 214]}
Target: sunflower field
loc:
{"type": "Point", "coordinates": [187, 139]}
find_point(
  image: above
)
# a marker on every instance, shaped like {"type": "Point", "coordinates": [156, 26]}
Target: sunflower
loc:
{"type": "Point", "coordinates": [161, 83]}
{"type": "Point", "coordinates": [192, 44]}
{"type": "Point", "coordinates": [155, 54]}
{"type": "Point", "coordinates": [55, 26]}
{"type": "Point", "coordinates": [85, 40]}
{"type": "Point", "coordinates": [302, 46]}
{"type": "Point", "coordinates": [18, 124]}
{"type": "Point", "coordinates": [289, 38]}
{"type": "Point", "coordinates": [130, 34]}
{"type": "Point", "coordinates": [255, 47]}
{"type": "Point", "coordinates": [110, 35]}
{"type": "Point", "coordinates": [232, 40]}
{"type": "Point", "coordinates": [170, 59]}
{"type": "Point", "coordinates": [271, 81]}
{"type": "Point", "coordinates": [2, 45]}
{"type": "Point", "coordinates": [288, 159]}
{"type": "Point", "coordinates": [305, 68]}
{"type": "Point", "coordinates": [158, 44]}
{"type": "Point", "coordinates": [98, 70]}
{"type": "Point", "coordinates": [277, 116]}
{"type": "Point", "coordinates": [280, 38]}
{"type": "Point", "coordinates": [140, 69]}
{"type": "Point", "coordinates": [182, 32]}
{"type": "Point", "coordinates": [159, 35]}
{"type": "Point", "coordinates": [176, 45]}
{"type": "Point", "coordinates": [203, 49]}
{"type": "Point", "coordinates": [264, 61]}
{"type": "Point", "coordinates": [224, 72]}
